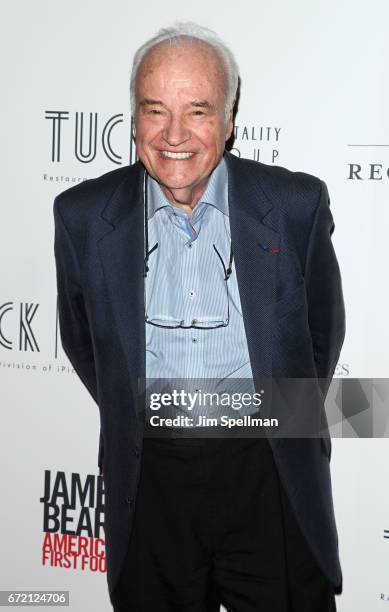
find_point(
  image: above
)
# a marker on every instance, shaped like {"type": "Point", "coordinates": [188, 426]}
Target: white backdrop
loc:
{"type": "Point", "coordinates": [314, 78]}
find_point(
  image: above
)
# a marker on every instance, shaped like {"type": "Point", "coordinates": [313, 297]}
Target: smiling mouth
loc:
{"type": "Point", "coordinates": [172, 155]}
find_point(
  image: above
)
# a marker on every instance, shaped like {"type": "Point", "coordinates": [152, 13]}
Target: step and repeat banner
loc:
{"type": "Point", "coordinates": [315, 98]}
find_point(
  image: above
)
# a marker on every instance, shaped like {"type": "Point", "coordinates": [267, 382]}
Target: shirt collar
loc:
{"type": "Point", "coordinates": [215, 194]}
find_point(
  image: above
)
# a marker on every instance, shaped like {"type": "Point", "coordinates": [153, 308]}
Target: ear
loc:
{"type": "Point", "coordinates": [229, 124]}
{"type": "Point", "coordinates": [133, 124]}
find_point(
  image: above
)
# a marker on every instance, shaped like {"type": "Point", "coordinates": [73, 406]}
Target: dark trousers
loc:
{"type": "Point", "coordinates": [213, 526]}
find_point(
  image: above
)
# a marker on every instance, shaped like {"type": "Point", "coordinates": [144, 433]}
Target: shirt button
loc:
{"type": "Point", "coordinates": [192, 293]}
{"type": "Point", "coordinates": [189, 245]}
{"type": "Point", "coordinates": [194, 321]}
{"type": "Point", "coordinates": [194, 340]}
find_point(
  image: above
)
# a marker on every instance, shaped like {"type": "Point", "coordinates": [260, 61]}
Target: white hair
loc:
{"type": "Point", "coordinates": [179, 33]}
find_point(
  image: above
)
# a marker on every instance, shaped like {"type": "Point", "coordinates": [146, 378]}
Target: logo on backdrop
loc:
{"type": "Point", "coordinates": [260, 143]}
{"type": "Point", "coordinates": [370, 161]}
{"type": "Point", "coordinates": [385, 596]}
{"type": "Point", "coordinates": [342, 369]}
{"type": "Point", "coordinates": [19, 325]}
{"type": "Point", "coordinates": [30, 339]}
{"type": "Point", "coordinates": [257, 142]}
{"type": "Point", "coordinates": [73, 521]}
{"type": "Point", "coordinates": [89, 131]}
{"type": "Point", "coordinates": [23, 335]}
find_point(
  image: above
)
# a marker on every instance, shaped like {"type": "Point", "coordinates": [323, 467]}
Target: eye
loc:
{"type": "Point", "coordinates": [155, 111]}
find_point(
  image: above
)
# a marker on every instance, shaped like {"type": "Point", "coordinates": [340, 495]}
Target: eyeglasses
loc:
{"type": "Point", "coordinates": [170, 322]}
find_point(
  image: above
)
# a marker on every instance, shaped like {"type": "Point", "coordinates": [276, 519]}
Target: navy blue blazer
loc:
{"type": "Point", "coordinates": [292, 304]}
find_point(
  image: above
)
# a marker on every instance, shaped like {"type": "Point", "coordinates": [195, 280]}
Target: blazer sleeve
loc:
{"type": "Point", "coordinates": [326, 312]}
{"type": "Point", "coordinates": [73, 323]}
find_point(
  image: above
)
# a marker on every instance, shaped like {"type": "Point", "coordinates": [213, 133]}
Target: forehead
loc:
{"type": "Point", "coordinates": [184, 64]}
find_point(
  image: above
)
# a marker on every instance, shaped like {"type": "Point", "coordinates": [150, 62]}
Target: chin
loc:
{"type": "Point", "coordinates": [175, 182]}
{"type": "Point", "coordinates": [174, 186]}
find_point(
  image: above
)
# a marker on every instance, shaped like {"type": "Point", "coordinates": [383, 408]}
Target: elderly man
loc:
{"type": "Point", "coordinates": [194, 264]}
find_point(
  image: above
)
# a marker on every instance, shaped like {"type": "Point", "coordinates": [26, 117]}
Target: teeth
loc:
{"type": "Point", "coordinates": [172, 155]}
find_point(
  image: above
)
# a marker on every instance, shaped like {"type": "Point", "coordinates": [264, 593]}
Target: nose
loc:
{"type": "Point", "coordinates": [175, 132]}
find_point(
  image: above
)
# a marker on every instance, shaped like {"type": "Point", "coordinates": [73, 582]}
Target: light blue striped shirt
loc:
{"type": "Point", "coordinates": [185, 282]}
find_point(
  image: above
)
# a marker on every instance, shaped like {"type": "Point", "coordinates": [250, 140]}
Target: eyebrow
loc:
{"type": "Point", "coordinates": [150, 102]}
{"type": "Point", "coordinates": [202, 104]}
{"type": "Point", "coordinates": [196, 103]}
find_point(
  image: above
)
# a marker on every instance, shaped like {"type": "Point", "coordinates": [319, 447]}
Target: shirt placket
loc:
{"type": "Point", "coordinates": [190, 286]}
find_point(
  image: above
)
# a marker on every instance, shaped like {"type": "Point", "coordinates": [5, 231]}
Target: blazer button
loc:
{"type": "Point", "coordinates": [136, 451]}
{"type": "Point", "coordinates": [130, 501]}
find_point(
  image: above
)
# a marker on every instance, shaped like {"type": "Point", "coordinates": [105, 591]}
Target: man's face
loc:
{"type": "Point", "coordinates": [180, 122]}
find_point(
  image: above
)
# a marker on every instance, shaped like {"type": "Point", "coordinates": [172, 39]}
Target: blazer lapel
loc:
{"type": "Point", "coordinates": [255, 243]}
{"type": "Point", "coordinates": [121, 251]}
